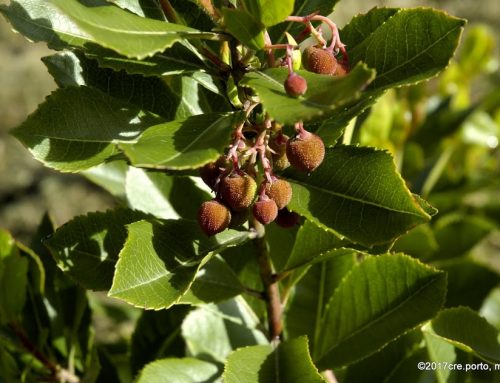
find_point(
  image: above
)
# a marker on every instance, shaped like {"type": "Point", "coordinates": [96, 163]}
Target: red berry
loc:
{"type": "Point", "coordinates": [295, 85]}
{"type": "Point", "coordinates": [306, 151]}
{"type": "Point", "coordinates": [280, 192]}
{"type": "Point", "coordinates": [213, 217]}
{"type": "Point", "coordinates": [265, 211]}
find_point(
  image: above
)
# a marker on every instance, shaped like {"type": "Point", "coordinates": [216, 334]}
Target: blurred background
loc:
{"type": "Point", "coordinates": [28, 190]}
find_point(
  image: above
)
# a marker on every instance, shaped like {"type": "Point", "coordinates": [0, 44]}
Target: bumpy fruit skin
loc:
{"type": "Point", "coordinates": [295, 85]}
{"type": "Point", "coordinates": [305, 152]}
{"type": "Point", "coordinates": [265, 211]}
{"type": "Point", "coordinates": [318, 60]}
{"type": "Point", "coordinates": [287, 218]}
{"type": "Point", "coordinates": [237, 191]}
{"type": "Point", "coordinates": [280, 192]}
{"type": "Point", "coordinates": [213, 217]}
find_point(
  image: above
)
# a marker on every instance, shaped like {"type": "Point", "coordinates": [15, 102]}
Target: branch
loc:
{"type": "Point", "coordinates": [271, 289]}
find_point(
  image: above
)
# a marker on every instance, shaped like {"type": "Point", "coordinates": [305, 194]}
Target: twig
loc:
{"type": "Point", "coordinates": [169, 11]}
{"type": "Point", "coordinates": [330, 376]}
{"type": "Point", "coordinates": [271, 290]}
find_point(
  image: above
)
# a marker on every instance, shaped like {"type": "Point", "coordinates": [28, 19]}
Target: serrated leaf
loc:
{"type": "Point", "coordinates": [311, 295]}
{"type": "Point", "coordinates": [404, 46]}
{"type": "Point", "coordinates": [313, 245]}
{"type": "Point", "coordinates": [215, 282]}
{"type": "Point", "coordinates": [440, 352]}
{"type": "Point", "coordinates": [87, 247]}
{"type": "Point", "coordinates": [149, 8]}
{"type": "Point", "coordinates": [419, 242]}
{"type": "Point", "coordinates": [158, 262]}
{"type": "Point", "coordinates": [42, 21]}
{"type": "Point", "coordinates": [150, 94]}
{"type": "Point", "coordinates": [13, 279]}
{"type": "Point", "coordinates": [270, 12]}
{"type": "Point", "coordinates": [180, 370]}
{"type": "Point", "coordinates": [324, 94]}
{"type": "Point", "coordinates": [469, 282]}
{"type": "Point", "coordinates": [244, 27]}
{"type": "Point", "coordinates": [75, 128]}
{"type": "Point", "coordinates": [290, 362]}
{"type": "Point", "coordinates": [183, 144]}
{"type": "Point", "coordinates": [358, 194]}
{"type": "Point", "coordinates": [157, 335]}
{"type": "Point", "coordinates": [162, 195]}
{"type": "Point", "coordinates": [128, 34]}
{"type": "Point", "coordinates": [381, 366]}
{"type": "Point", "coordinates": [379, 300]}
{"type": "Point", "coordinates": [466, 330]}
{"type": "Point", "coordinates": [110, 176]}
{"type": "Point", "coordinates": [213, 331]}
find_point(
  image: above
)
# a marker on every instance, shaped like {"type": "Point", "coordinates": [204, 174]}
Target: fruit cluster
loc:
{"type": "Point", "coordinates": [234, 180]}
{"type": "Point", "coordinates": [260, 143]}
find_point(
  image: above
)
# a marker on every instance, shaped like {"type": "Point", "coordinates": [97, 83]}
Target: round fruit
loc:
{"type": "Point", "coordinates": [306, 151]}
{"type": "Point", "coordinates": [213, 217]}
{"type": "Point", "coordinates": [295, 85]}
{"type": "Point", "coordinates": [318, 60]}
{"type": "Point", "coordinates": [265, 211]}
{"type": "Point", "coordinates": [238, 191]}
{"type": "Point", "coordinates": [280, 192]}
{"type": "Point", "coordinates": [287, 218]}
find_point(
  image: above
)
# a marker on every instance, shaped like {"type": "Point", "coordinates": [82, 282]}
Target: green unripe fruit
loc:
{"type": "Point", "coordinates": [265, 211]}
{"type": "Point", "coordinates": [237, 191]}
{"type": "Point", "coordinates": [280, 192]}
{"type": "Point", "coordinates": [306, 151]}
{"type": "Point", "coordinates": [295, 85]}
{"type": "Point", "coordinates": [213, 217]}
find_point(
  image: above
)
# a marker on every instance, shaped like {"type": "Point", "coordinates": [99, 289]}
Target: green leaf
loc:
{"type": "Point", "coordinates": [244, 27]}
{"type": "Point", "coordinates": [163, 196]}
{"type": "Point", "coordinates": [319, 98]}
{"type": "Point", "coordinates": [404, 46]}
{"type": "Point", "coordinates": [149, 8]}
{"type": "Point", "coordinates": [354, 189]}
{"type": "Point", "coordinates": [110, 176]}
{"type": "Point", "coordinates": [159, 262]}
{"type": "Point", "coordinates": [466, 330]}
{"type": "Point", "coordinates": [180, 370]}
{"type": "Point", "coordinates": [128, 34]}
{"type": "Point", "coordinates": [183, 144]}
{"type": "Point", "coordinates": [213, 331]}
{"type": "Point", "coordinates": [215, 282]}
{"type": "Point", "coordinates": [469, 282]}
{"type": "Point", "coordinates": [157, 335]}
{"type": "Point", "coordinates": [290, 362]}
{"type": "Point", "coordinates": [419, 242]}
{"type": "Point", "coordinates": [381, 366]}
{"type": "Point", "coordinates": [66, 132]}
{"type": "Point", "coordinates": [42, 21]}
{"type": "Point", "coordinates": [13, 279]}
{"type": "Point", "coordinates": [378, 301]}
{"type": "Point", "coordinates": [440, 352]}
{"type": "Point", "coordinates": [87, 247]}
{"type": "Point", "coordinates": [457, 234]}
{"type": "Point", "coordinates": [313, 245]}
{"type": "Point", "coordinates": [311, 295]}
{"type": "Point", "coordinates": [270, 12]}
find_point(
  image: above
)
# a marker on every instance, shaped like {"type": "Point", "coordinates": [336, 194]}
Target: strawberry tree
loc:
{"type": "Point", "coordinates": [255, 233]}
